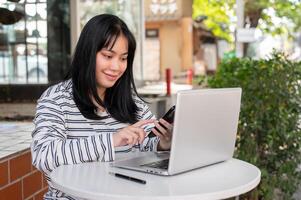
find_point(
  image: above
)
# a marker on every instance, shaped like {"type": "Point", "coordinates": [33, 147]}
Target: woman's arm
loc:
{"type": "Point", "coordinates": [50, 147]}
{"type": "Point", "coordinates": [144, 113]}
{"type": "Point", "coordinates": [163, 140]}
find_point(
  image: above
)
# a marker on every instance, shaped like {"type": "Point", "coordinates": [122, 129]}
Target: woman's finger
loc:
{"type": "Point", "coordinates": [143, 122]}
{"type": "Point", "coordinates": [162, 130]}
{"type": "Point", "coordinates": [166, 124]}
{"type": "Point", "coordinates": [157, 133]}
{"type": "Point", "coordinates": [139, 132]}
{"type": "Point", "coordinates": [142, 135]}
{"type": "Point", "coordinates": [128, 136]}
{"type": "Point", "coordinates": [132, 138]}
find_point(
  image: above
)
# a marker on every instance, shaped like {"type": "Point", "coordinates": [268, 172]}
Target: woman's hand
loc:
{"type": "Point", "coordinates": [132, 134]}
{"type": "Point", "coordinates": [164, 134]}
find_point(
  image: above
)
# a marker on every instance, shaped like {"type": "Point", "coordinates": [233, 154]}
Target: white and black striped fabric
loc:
{"type": "Point", "coordinates": [63, 136]}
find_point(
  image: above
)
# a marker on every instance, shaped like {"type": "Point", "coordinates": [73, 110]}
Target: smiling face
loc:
{"type": "Point", "coordinates": [111, 63]}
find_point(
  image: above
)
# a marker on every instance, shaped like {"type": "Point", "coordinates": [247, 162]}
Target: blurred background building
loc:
{"type": "Point", "coordinates": [38, 37]}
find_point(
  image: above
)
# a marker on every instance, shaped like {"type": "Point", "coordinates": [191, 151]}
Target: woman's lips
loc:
{"type": "Point", "coordinates": [111, 77]}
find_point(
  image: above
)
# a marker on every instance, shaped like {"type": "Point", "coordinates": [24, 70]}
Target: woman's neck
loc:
{"type": "Point", "coordinates": [101, 93]}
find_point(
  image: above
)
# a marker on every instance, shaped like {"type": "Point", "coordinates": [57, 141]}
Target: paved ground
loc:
{"type": "Point", "coordinates": [297, 195]}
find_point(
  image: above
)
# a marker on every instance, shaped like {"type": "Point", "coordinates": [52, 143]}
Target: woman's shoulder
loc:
{"type": "Point", "coordinates": [144, 111]}
{"type": "Point", "coordinates": [137, 99]}
{"type": "Point", "coordinates": [59, 90]}
{"type": "Point", "coordinates": [140, 102]}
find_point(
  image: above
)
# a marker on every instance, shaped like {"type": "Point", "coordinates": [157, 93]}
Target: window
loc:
{"type": "Point", "coordinates": [23, 42]}
{"type": "Point", "coordinates": [34, 47]}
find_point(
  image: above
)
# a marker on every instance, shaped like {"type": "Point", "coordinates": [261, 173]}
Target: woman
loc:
{"type": "Point", "coordinates": [97, 112]}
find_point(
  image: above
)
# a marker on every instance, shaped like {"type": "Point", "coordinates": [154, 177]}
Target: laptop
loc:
{"type": "Point", "coordinates": [204, 133]}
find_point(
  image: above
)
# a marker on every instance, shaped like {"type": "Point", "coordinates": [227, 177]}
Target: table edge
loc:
{"type": "Point", "coordinates": [209, 196]}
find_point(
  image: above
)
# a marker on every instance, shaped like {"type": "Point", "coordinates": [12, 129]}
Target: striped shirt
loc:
{"type": "Point", "coordinates": [63, 136]}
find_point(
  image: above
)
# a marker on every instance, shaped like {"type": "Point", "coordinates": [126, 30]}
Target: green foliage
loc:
{"type": "Point", "coordinates": [219, 13]}
{"type": "Point", "coordinates": [268, 132]}
{"type": "Point", "coordinates": [218, 16]}
{"type": "Point", "coordinates": [289, 10]}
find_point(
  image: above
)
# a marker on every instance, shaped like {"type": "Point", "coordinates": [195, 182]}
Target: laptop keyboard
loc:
{"type": "Point", "coordinates": [162, 164]}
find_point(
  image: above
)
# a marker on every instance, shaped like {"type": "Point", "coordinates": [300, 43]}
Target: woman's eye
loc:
{"type": "Point", "coordinates": [124, 59]}
{"type": "Point", "coordinates": [108, 56]}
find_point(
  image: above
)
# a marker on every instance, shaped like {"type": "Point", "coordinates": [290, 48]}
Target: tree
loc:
{"type": "Point", "coordinates": [217, 15]}
{"type": "Point", "coordinates": [257, 14]}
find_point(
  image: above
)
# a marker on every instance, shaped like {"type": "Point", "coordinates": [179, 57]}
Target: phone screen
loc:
{"type": "Point", "coordinates": [168, 116]}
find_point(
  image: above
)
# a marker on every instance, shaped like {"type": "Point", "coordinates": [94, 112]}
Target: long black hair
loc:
{"type": "Point", "coordinates": [100, 32]}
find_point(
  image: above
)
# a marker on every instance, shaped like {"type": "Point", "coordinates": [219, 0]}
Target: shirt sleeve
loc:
{"type": "Point", "coordinates": [148, 144]}
{"type": "Point", "coordinates": [51, 148]}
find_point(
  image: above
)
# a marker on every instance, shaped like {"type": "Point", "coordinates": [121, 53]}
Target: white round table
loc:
{"type": "Point", "coordinates": [93, 181]}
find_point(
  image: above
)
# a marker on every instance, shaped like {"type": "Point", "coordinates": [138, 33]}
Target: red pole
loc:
{"type": "Point", "coordinates": [168, 81]}
{"type": "Point", "coordinates": [189, 76]}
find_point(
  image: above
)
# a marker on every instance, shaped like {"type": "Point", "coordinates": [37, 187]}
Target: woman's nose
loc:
{"type": "Point", "coordinates": [115, 64]}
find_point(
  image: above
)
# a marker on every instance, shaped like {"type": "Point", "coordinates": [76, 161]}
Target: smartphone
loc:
{"type": "Point", "coordinates": [168, 116]}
